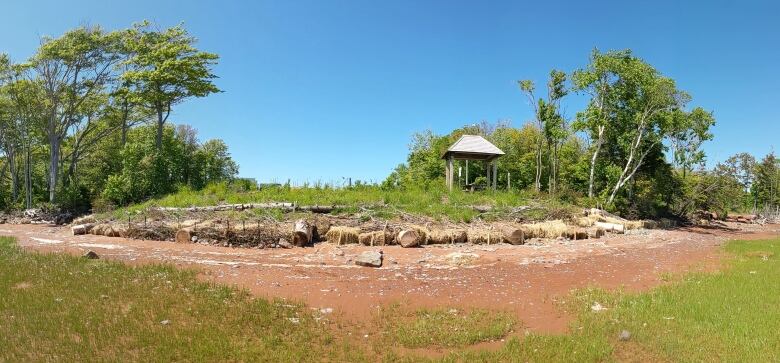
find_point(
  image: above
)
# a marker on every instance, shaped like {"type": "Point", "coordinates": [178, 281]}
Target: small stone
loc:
{"type": "Point", "coordinates": [165, 322]}
{"type": "Point", "coordinates": [369, 259]}
{"type": "Point", "coordinates": [625, 335]}
{"type": "Point", "coordinates": [194, 239]}
{"type": "Point", "coordinates": [91, 255]}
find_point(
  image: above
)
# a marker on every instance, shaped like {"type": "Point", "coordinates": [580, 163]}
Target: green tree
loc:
{"type": "Point", "coordinates": [548, 119]}
{"type": "Point", "coordinates": [164, 68]}
{"type": "Point", "coordinates": [72, 69]}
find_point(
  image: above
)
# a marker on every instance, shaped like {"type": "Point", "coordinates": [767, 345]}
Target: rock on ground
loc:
{"type": "Point", "coordinates": [369, 259]}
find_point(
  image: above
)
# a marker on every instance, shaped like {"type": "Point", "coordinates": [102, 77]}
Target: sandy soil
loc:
{"type": "Point", "coordinates": [525, 279]}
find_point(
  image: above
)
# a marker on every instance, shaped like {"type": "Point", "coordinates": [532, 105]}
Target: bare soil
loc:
{"type": "Point", "coordinates": [527, 280]}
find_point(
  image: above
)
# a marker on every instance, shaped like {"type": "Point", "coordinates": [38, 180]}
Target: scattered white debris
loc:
{"type": "Point", "coordinates": [597, 307]}
{"type": "Point", "coordinates": [46, 241]}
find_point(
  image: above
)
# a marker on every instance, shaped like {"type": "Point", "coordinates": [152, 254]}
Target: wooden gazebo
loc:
{"type": "Point", "coordinates": [472, 147]}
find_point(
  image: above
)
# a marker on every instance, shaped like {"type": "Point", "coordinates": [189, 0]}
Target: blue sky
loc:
{"type": "Point", "coordinates": [322, 90]}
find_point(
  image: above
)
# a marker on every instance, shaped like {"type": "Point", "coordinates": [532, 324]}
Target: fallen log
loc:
{"type": "Point", "coordinates": [511, 234]}
{"type": "Point", "coordinates": [81, 229]}
{"type": "Point", "coordinates": [611, 227]}
{"type": "Point", "coordinates": [302, 233]}
{"type": "Point", "coordinates": [409, 238]}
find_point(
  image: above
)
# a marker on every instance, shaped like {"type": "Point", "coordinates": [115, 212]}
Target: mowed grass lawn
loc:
{"type": "Point", "coordinates": [63, 308]}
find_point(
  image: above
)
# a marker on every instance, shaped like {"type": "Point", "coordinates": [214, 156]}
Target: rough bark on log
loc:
{"type": "Point", "coordinates": [184, 235]}
{"type": "Point", "coordinates": [408, 238]}
{"type": "Point", "coordinates": [80, 229]}
{"type": "Point", "coordinates": [513, 235]}
{"type": "Point", "coordinates": [611, 227]}
{"type": "Point", "coordinates": [302, 233]}
{"type": "Point", "coordinates": [596, 233]}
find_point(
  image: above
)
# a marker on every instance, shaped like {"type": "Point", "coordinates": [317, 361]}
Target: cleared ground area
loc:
{"type": "Point", "coordinates": [527, 280]}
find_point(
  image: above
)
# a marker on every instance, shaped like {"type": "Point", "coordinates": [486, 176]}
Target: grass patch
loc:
{"type": "Point", "coordinates": [729, 316]}
{"type": "Point", "coordinates": [437, 203]}
{"type": "Point", "coordinates": [64, 308]}
{"type": "Point", "coordinates": [445, 327]}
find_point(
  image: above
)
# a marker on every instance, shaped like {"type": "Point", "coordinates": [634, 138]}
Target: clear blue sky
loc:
{"type": "Point", "coordinates": [321, 90]}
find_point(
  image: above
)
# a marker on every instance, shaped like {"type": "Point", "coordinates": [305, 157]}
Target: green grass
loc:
{"type": "Point", "coordinates": [729, 316]}
{"type": "Point", "coordinates": [63, 308]}
{"type": "Point", "coordinates": [445, 327]}
{"type": "Point", "coordinates": [376, 202]}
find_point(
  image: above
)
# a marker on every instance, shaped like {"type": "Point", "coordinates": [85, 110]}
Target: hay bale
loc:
{"type": "Point", "coordinates": [549, 229]}
{"type": "Point", "coordinates": [576, 234]}
{"type": "Point", "coordinates": [376, 238]}
{"type": "Point", "coordinates": [484, 236]}
{"type": "Point", "coordinates": [588, 220]}
{"type": "Point", "coordinates": [445, 236]}
{"type": "Point", "coordinates": [343, 235]}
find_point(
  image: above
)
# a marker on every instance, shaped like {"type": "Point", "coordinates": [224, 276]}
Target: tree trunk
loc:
{"type": "Point", "coordinates": [302, 233]}
{"type": "Point", "coordinates": [538, 180]}
{"type": "Point", "coordinates": [160, 124]}
{"type": "Point", "coordinates": [54, 166]}
{"type": "Point", "coordinates": [599, 142]}
{"type": "Point", "coordinates": [11, 154]}
{"type": "Point", "coordinates": [28, 178]}
{"type": "Point", "coordinates": [125, 113]}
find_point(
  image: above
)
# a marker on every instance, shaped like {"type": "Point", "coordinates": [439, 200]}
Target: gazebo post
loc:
{"type": "Point", "coordinates": [495, 174]}
{"type": "Point", "coordinates": [450, 172]}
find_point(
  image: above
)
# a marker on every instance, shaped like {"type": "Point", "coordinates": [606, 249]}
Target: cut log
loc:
{"type": "Point", "coordinates": [80, 229]}
{"type": "Point", "coordinates": [408, 238]}
{"type": "Point", "coordinates": [596, 233]}
{"type": "Point", "coordinates": [511, 234]}
{"type": "Point", "coordinates": [184, 235]}
{"type": "Point", "coordinates": [611, 227]}
{"type": "Point", "coordinates": [302, 233]}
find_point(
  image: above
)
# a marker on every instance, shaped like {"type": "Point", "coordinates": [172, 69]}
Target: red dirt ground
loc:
{"type": "Point", "coordinates": [525, 279]}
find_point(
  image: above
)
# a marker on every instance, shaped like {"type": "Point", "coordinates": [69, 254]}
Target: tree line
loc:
{"type": "Point", "coordinates": [86, 118]}
{"type": "Point", "coordinates": [635, 147]}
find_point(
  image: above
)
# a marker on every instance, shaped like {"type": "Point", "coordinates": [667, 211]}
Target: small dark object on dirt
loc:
{"type": "Point", "coordinates": [91, 255]}
{"type": "Point", "coordinates": [625, 336]}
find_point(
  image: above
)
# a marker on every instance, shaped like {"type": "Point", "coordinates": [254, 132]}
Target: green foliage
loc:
{"type": "Point", "coordinates": [146, 172]}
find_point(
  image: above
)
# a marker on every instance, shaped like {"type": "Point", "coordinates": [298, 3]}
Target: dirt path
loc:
{"type": "Point", "coordinates": [524, 279]}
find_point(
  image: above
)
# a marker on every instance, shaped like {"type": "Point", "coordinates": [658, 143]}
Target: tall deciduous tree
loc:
{"type": "Point", "coordinates": [548, 118]}
{"type": "Point", "coordinates": [164, 68]}
{"type": "Point", "coordinates": [598, 81]}
{"type": "Point", "coordinates": [72, 68]}
{"type": "Point", "coordinates": [689, 131]}
{"type": "Point", "coordinates": [645, 102]}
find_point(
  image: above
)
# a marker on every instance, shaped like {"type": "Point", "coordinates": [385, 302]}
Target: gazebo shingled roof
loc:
{"type": "Point", "coordinates": [472, 147]}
